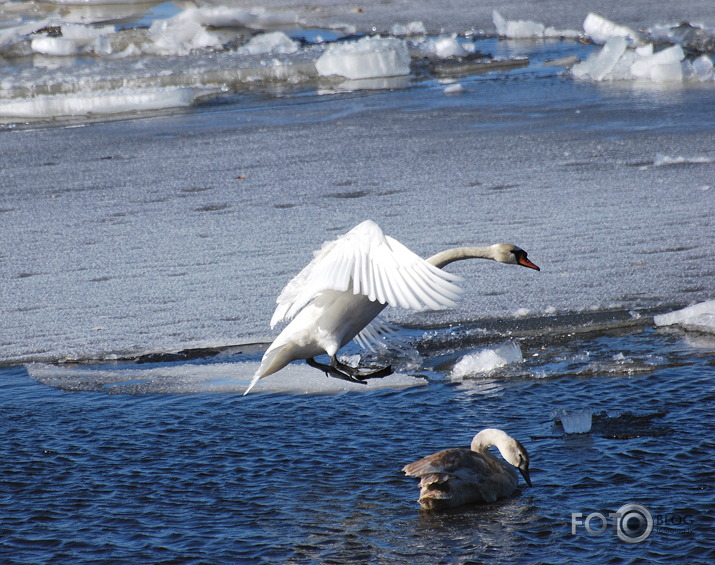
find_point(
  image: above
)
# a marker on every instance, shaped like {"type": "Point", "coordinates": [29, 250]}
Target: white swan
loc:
{"type": "Point", "coordinates": [458, 476]}
{"type": "Point", "coordinates": [349, 282]}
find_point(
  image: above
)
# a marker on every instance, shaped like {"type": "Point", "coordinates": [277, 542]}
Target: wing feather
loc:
{"type": "Point", "coordinates": [366, 261]}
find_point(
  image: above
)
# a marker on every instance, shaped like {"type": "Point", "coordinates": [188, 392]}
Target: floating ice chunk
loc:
{"type": "Point", "coordinates": [370, 57]}
{"type": "Point", "coordinates": [598, 67]}
{"type": "Point", "coordinates": [487, 360]}
{"type": "Point", "coordinates": [272, 42]}
{"type": "Point", "coordinates": [700, 69]}
{"type": "Point", "coordinates": [517, 29]}
{"type": "Point", "coordinates": [700, 317]}
{"type": "Point", "coordinates": [455, 88]}
{"type": "Point", "coordinates": [75, 39]}
{"type": "Point", "coordinates": [451, 47]}
{"type": "Point", "coordinates": [661, 66]}
{"type": "Point", "coordinates": [600, 30]}
{"type": "Point", "coordinates": [180, 35]}
{"type": "Point", "coordinates": [54, 46]}
{"type": "Point", "coordinates": [576, 422]}
{"type": "Point", "coordinates": [109, 102]}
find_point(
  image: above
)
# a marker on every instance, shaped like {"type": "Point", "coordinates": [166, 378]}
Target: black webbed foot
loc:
{"type": "Point", "coordinates": [347, 373]}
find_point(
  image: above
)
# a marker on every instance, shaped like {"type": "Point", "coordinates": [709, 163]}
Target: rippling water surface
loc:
{"type": "Point", "coordinates": [99, 475]}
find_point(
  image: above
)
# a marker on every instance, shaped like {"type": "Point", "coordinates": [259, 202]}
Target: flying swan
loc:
{"type": "Point", "coordinates": [458, 476]}
{"type": "Point", "coordinates": [338, 296]}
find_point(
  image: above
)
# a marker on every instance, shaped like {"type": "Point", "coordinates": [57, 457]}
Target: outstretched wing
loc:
{"type": "Point", "coordinates": [366, 261]}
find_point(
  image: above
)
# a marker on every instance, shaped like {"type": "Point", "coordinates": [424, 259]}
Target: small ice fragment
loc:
{"type": "Point", "coordinates": [370, 57]}
{"type": "Point", "coordinates": [455, 88]}
{"type": "Point", "coordinates": [55, 46]}
{"type": "Point", "coordinates": [660, 67]}
{"type": "Point", "coordinates": [488, 359]}
{"type": "Point", "coordinates": [517, 29]}
{"type": "Point", "coordinates": [600, 30]}
{"type": "Point", "coordinates": [272, 42]}
{"type": "Point", "coordinates": [577, 422]}
{"type": "Point", "coordinates": [599, 66]}
{"type": "Point", "coordinates": [703, 68]}
{"type": "Point", "coordinates": [449, 47]}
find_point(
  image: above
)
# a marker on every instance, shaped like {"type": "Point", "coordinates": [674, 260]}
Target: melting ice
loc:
{"type": "Point", "coordinates": [700, 317]}
{"type": "Point", "coordinates": [87, 61]}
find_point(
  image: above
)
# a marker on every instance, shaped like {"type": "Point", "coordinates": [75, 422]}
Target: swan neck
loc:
{"type": "Point", "coordinates": [486, 438]}
{"type": "Point", "coordinates": [459, 254]}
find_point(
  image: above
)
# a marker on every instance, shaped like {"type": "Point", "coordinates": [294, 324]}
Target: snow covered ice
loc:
{"type": "Point", "coordinates": [700, 317]}
{"type": "Point", "coordinates": [178, 230]}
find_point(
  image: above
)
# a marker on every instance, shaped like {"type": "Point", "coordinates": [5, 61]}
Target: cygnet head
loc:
{"type": "Point", "coordinates": [508, 253]}
{"type": "Point", "coordinates": [516, 455]}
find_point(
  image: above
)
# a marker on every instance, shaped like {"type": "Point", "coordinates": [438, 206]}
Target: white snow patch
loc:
{"type": "Point", "coordinates": [700, 317]}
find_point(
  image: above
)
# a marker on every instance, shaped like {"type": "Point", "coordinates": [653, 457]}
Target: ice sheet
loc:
{"type": "Point", "coordinates": [223, 377]}
{"type": "Point", "coordinates": [700, 317]}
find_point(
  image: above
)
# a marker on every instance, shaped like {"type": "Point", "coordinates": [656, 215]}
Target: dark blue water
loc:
{"type": "Point", "coordinates": [100, 476]}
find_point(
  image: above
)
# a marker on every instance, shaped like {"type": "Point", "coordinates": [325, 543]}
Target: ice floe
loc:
{"type": "Point", "coordinates": [600, 30]}
{"type": "Point", "coordinates": [699, 317]}
{"type": "Point", "coordinates": [629, 55]}
{"type": "Point", "coordinates": [576, 422]}
{"type": "Point", "coordinates": [527, 29]}
{"type": "Point", "coordinates": [102, 103]}
{"type": "Point", "coordinates": [617, 61]}
{"type": "Point", "coordinates": [192, 378]}
{"type": "Point", "coordinates": [369, 57]}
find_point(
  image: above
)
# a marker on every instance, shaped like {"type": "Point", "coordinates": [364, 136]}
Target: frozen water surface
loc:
{"type": "Point", "coordinates": [167, 168]}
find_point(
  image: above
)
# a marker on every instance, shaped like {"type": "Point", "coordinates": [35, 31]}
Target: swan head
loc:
{"type": "Point", "coordinates": [508, 253]}
{"type": "Point", "coordinates": [519, 458]}
{"type": "Point", "coordinates": [511, 449]}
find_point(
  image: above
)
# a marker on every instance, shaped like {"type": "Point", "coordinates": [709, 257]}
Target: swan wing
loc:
{"type": "Point", "coordinates": [368, 262]}
{"type": "Point", "coordinates": [456, 462]}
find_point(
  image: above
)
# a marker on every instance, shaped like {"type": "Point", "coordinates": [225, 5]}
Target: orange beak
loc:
{"type": "Point", "coordinates": [523, 260]}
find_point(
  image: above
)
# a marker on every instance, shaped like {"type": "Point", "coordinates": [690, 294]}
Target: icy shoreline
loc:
{"type": "Point", "coordinates": [62, 67]}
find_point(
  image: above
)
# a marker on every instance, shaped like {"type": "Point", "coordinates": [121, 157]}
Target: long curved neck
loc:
{"type": "Point", "coordinates": [488, 437]}
{"type": "Point", "coordinates": [459, 254]}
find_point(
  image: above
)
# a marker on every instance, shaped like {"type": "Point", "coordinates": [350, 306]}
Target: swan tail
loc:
{"type": "Point", "coordinates": [273, 361]}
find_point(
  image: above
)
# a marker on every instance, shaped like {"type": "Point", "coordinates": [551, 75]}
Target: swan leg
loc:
{"type": "Point", "coordinates": [346, 372]}
{"type": "Point", "coordinates": [332, 371]}
{"type": "Point", "coordinates": [355, 373]}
